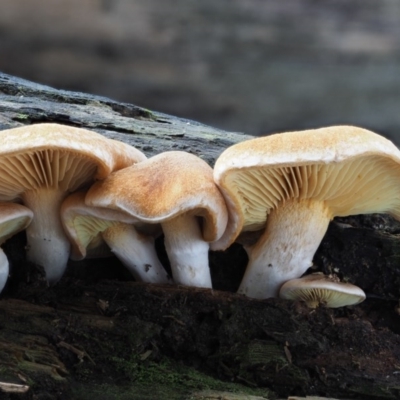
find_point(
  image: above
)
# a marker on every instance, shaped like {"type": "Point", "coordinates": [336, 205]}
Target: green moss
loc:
{"type": "Point", "coordinates": [21, 117]}
{"type": "Point", "coordinates": [165, 379]}
{"type": "Point", "coordinates": [147, 114]}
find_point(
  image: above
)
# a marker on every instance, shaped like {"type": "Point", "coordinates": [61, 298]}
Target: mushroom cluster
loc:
{"type": "Point", "coordinates": [39, 166]}
{"type": "Point", "coordinates": [78, 194]}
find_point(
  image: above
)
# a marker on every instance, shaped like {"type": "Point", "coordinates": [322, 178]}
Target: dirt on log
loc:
{"type": "Point", "coordinates": [97, 334]}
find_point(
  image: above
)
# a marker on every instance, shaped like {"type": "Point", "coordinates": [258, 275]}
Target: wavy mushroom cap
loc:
{"type": "Point", "coordinates": [316, 289]}
{"type": "Point", "coordinates": [162, 188]}
{"type": "Point", "coordinates": [351, 170]}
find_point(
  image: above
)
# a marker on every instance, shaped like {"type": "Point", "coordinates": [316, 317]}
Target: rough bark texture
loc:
{"type": "Point", "coordinates": [99, 335]}
{"type": "Point", "coordinates": [23, 103]}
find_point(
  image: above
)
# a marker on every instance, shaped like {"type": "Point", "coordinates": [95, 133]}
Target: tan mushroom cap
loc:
{"type": "Point", "coordinates": [54, 155]}
{"type": "Point", "coordinates": [163, 187]}
{"type": "Point", "coordinates": [350, 169]}
{"type": "Point", "coordinates": [321, 289]}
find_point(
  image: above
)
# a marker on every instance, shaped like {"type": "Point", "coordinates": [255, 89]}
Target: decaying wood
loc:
{"type": "Point", "coordinates": [23, 102]}
{"type": "Point", "coordinates": [97, 334]}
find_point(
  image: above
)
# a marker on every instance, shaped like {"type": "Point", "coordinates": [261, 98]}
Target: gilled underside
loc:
{"type": "Point", "coordinates": [136, 251]}
{"type": "Point", "coordinates": [331, 297]}
{"type": "Point", "coordinates": [362, 185]}
{"type": "Point", "coordinates": [50, 169]}
{"type": "Point", "coordinates": [42, 179]}
{"type": "Point", "coordinates": [13, 225]}
{"type": "Point", "coordinates": [88, 230]}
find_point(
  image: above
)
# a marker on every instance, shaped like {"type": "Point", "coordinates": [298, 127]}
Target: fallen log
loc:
{"type": "Point", "coordinates": [98, 333]}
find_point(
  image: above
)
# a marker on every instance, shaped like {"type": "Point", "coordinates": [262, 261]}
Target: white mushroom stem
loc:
{"type": "Point", "coordinates": [47, 244]}
{"type": "Point", "coordinates": [285, 251]}
{"type": "Point", "coordinates": [187, 251]}
{"type": "Point", "coordinates": [137, 252]}
{"type": "Point", "coordinates": [4, 269]}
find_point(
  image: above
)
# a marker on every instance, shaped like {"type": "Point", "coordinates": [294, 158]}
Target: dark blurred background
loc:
{"type": "Point", "coordinates": [254, 66]}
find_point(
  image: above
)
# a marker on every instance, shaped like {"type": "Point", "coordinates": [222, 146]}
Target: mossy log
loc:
{"type": "Point", "coordinates": [98, 334]}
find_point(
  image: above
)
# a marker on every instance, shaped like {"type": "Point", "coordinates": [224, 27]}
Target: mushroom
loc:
{"type": "Point", "coordinates": [13, 219]}
{"type": "Point", "coordinates": [39, 165]}
{"type": "Point", "coordinates": [288, 186]}
{"type": "Point", "coordinates": [317, 288]}
{"type": "Point", "coordinates": [174, 189]}
{"type": "Point", "coordinates": [89, 227]}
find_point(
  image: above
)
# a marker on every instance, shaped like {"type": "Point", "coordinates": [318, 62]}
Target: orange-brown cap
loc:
{"type": "Point", "coordinates": [163, 187]}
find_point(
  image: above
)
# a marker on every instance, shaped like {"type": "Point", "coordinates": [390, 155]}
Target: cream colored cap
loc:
{"type": "Point", "coordinates": [351, 169]}
{"type": "Point", "coordinates": [53, 155]}
{"type": "Point", "coordinates": [316, 289]}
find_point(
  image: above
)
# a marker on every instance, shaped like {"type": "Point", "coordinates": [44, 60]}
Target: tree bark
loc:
{"type": "Point", "coordinates": [24, 102]}
{"type": "Point", "coordinates": [99, 334]}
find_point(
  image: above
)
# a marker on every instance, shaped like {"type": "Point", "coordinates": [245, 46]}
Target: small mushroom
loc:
{"type": "Point", "coordinates": [174, 189]}
{"type": "Point", "coordinates": [319, 289]}
{"type": "Point", "coordinates": [287, 187]}
{"type": "Point", "coordinates": [40, 165]}
{"type": "Point", "coordinates": [13, 219]}
{"type": "Point", "coordinates": [89, 227]}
